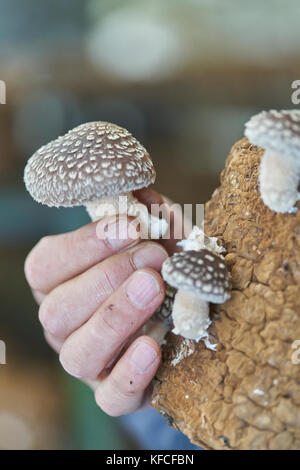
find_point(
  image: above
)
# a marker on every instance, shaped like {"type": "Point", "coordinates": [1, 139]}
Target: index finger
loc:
{"type": "Point", "coordinates": [59, 258]}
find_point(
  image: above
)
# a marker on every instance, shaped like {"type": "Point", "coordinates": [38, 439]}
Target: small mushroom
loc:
{"type": "Point", "coordinates": [278, 132]}
{"type": "Point", "coordinates": [98, 165]}
{"type": "Point", "coordinates": [200, 277]}
{"type": "Point", "coordinates": [198, 240]}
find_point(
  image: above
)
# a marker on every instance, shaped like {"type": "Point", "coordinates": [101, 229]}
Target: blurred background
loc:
{"type": "Point", "coordinates": [183, 76]}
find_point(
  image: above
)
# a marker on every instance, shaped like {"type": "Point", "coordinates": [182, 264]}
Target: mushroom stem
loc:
{"type": "Point", "coordinates": [279, 178]}
{"type": "Point", "coordinates": [126, 203]}
{"type": "Point", "coordinates": [191, 317]}
{"type": "Point", "coordinates": [157, 329]}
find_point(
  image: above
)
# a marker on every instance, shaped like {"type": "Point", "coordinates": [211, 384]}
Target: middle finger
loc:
{"type": "Point", "coordinates": [90, 348]}
{"type": "Point", "coordinates": [71, 304]}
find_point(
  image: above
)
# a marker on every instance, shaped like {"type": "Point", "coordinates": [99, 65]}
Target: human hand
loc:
{"type": "Point", "coordinates": [94, 295]}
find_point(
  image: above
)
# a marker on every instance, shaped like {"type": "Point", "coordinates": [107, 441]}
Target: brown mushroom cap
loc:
{"type": "Point", "coordinates": [278, 131]}
{"type": "Point", "coordinates": [92, 161]}
{"type": "Point", "coordinates": [202, 272]}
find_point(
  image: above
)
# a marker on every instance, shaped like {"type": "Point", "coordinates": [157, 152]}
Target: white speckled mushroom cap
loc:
{"type": "Point", "coordinates": [202, 272]}
{"type": "Point", "coordinates": [278, 131]}
{"type": "Point", "coordinates": [92, 161]}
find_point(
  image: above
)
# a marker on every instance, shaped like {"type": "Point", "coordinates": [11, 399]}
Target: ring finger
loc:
{"type": "Point", "coordinates": [89, 349]}
{"type": "Point", "coordinates": [122, 391]}
{"type": "Point", "coordinates": [71, 304]}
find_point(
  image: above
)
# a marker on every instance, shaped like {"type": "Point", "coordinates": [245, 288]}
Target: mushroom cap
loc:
{"type": "Point", "coordinates": [90, 162]}
{"type": "Point", "coordinates": [202, 272]}
{"type": "Point", "coordinates": [278, 131]}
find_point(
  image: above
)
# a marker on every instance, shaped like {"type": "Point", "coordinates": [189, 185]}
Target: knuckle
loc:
{"type": "Point", "coordinates": [72, 363]}
{"type": "Point", "coordinates": [69, 241]}
{"type": "Point", "coordinates": [33, 266]}
{"type": "Point", "coordinates": [45, 242]}
{"type": "Point", "coordinates": [44, 316]}
{"type": "Point", "coordinates": [31, 269]}
{"type": "Point", "coordinates": [106, 284]}
{"type": "Point", "coordinates": [43, 246]}
{"type": "Point", "coordinates": [48, 316]}
{"type": "Point", "coordinates": [117, 331]}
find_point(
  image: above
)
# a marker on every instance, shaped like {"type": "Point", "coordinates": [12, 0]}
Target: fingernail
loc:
{"type": "Point", "coordinates": [149, 255]}
{"type": "Point", "coordinates": [141, 288]}
{"type": "Point", "coordinates": [142, 357]}
{"type": "Point", "coordinates": [118, 232]}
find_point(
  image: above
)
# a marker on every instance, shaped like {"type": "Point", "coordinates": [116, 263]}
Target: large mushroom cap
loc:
{"type": "Point", "coordinates": [202, 272]}
{"type": "Point", "coordinates": [278, 131]}
{"type": "Point", "coordinates": [92, 161]}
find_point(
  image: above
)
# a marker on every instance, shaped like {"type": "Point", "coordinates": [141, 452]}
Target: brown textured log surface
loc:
{"type": "Point", "coordinates": [246, 395]}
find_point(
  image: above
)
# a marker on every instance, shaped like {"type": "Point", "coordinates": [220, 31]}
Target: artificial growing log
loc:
{"type": "Point", "coordinates": [246, 395]}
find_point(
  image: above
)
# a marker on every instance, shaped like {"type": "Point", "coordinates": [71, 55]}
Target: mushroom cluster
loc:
{"type": "Point", "coordinates": [245, 395]}
{"type": "Point", "coordinates": [278, 132]}
{"type": "Point", "coordinates": [201, 276]}
{"type": "Point", "coordinates": [98, 165]}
